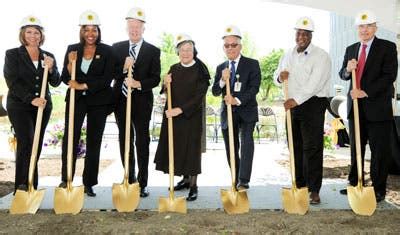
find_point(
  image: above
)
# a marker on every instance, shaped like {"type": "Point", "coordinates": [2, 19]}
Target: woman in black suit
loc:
{"type": "Point", "coordinates": [23, 71]}
{"type": "Point", "coordinates": [93, 99]}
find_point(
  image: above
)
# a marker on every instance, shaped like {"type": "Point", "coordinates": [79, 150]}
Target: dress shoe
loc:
{"type": "Point", "coordinates": [379, 197]}
{"type": "Point", "coordinates": [144, 192]}
{"type": "Point", "coordinates": [343, 191]}
{"type": "Point", "coordinates": [89, 191]}
{"type": "Point", "coordinates": [62, 184]}
{"type": "Point", "coordinates": [183, 184]}
{"type": "Point", "coordinates": [22, 187]}
{"type": "Point", "coordinates": [192, 194]}
{"type": "Point", "coordinates": [314, 198]}
{"type": "Point", "coordinates": [242, 186]}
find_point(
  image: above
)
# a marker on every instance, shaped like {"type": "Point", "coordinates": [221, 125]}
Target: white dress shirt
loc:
{"type": "Point", "coordinates": [137, 48]}
{"type": "Point", "coordinates": [309, 73]}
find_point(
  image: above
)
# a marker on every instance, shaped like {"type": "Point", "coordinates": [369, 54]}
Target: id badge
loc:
{"type": "Point", "coordinates": [237, 87]}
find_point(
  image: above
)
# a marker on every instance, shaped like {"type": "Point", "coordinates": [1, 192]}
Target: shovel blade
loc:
{"type": "Point", "coordinates": [169, 204]}
{"type": "Point", "coordinates": [235, 202]}
{"type": "Point", "coordinates": [68, 201]}
{"type": "Point", "coordinates": [125, 196]}
{"type": "Point", "coordinates": [295, 200]}
{"type": "Point", "coordinates": [25, 202]}
{"type": "Point", "coordinates": [361, 199]}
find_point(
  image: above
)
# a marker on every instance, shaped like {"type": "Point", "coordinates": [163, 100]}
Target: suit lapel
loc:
{"type": "Point", "coordinates": [371, 54]}
{"type": "Point", "coordinates": [142, 53]}
{"type": "Point", "coordinates": [26, 59]}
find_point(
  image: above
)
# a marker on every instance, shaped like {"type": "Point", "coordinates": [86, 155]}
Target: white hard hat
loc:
{"type": "Point", "coordinates": [365, 17]}
{"type": "Point", "coordinates": [31, 20]}
{"type": "Point", "coordinates": [182, 38]}
{"type": "Point", "coordinates": [232, 30]}
{"type": "Point", "coordinates": [136, 13]}
{"type": "Point", "coordinates": [305, 23]}
{"type": "Point", "coordinates": [89, 18]}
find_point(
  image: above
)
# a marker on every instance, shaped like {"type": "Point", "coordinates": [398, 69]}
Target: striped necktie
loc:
{"type": "Point", "coordinates": [132, 53]}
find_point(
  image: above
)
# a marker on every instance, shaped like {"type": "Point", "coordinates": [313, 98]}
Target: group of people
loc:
{"type": "Point", "coordinates": [102, 83]}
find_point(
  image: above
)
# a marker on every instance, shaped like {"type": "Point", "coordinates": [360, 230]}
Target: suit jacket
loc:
{"type": "Point", "coordinates": [250, 77]}
{"type": "Point", "coordinates": [380, 72]}
{"type": "Point", "coordinates": [98, 77]}
{"type": "Point", "coordinates": [24, 81]}
{"type": "Point", "coordinates": [147, 68]}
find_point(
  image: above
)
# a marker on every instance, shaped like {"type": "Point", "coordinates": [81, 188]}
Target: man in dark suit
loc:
{"type": "Point", "coordinates": [145, 60]}
{"type": "Point", "coordinates": [375, 62]}
{"type": "Point", "coordinates": [245, 77]}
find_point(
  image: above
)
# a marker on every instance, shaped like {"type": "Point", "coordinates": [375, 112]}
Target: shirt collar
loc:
{"type": "Point", "coordinates": [190, 64]}
{"type": "Point", "coordinates": [368, 43]}
{"type": "Point", "coordinates": [138, 44]}
{"type": "Point", "coordinates": [236, 60]}
{"type": "Point", "coordinates": [307, 51]}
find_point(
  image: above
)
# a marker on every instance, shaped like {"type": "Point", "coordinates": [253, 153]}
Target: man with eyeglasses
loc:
{"type": "Point", "coordinates": [307, 69]}
{"type": "Point", "coordinates": [375, 62]}
{"type": "Point", "coordinates": [144, 58]}
{"type": "Point", "coordinates": [244, 75]}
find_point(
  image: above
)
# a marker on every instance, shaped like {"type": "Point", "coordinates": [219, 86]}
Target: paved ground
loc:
{"type": "Point", "coordinates": [268, 178]}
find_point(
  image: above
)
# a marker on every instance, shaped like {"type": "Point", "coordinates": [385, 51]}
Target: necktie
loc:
{"type": "Point", "coordinates": [361, 65]}
{"type": "Point", "coordinates": [233, 74]}
{"type": "Point", "coordinates": [132, 53]}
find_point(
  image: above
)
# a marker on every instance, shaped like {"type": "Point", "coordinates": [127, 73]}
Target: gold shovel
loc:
{"type": "Point", "coordinates": [171, 203]}
{"type": "Point", "coordinates": [361, 199]}
{"type": "Point", "coordinates": [125, 196]}
{"type": "Point", "coordinates": [294, 200]}
{"type": "Point", "coordinates": [234, 201]}
{"type": "Point", "coordinates": [69, 200]}
{"type": "Point", "coordinates": [29, 201]}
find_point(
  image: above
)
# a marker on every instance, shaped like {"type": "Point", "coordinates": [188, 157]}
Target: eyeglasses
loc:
{"type": "Point", "coordinates": [233, 45]}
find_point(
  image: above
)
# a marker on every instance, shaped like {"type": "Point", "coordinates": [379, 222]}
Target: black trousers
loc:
{"type": "Point", "coordinates": [24, 122]}
{"type": "Point", "coordinates": [378, 135]}
{"type": "Point", "coordinates": [308, 136]}
{"type": "Point", "coordinates": [244, 161]}
{"type": "Point", "coordinates": [142, 106]}
{"type": "Point", "coordinates": [96, 120]}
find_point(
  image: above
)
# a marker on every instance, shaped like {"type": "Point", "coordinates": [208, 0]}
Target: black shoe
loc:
{"type": "Point", "coordinates": [379, 197]}
{"type": "Point", "coordinates": [343, 191]}
{"type": "Point", "coordinates": [63, 184]}
{"type": "Point", "coordinates": [89, 191]}
{"type": "Point", "coordinates": [22, 187]}
{"type": "Point", "coordinates": [183, 184]}
{"type": "Point", "coordinates": [314, 198]}
{"type": "Point", "coordinates": [242, 186]}
{"type": "Point", "coordinates": [192, 194]}
{"type": "Point", "coordinates": [144, 192]}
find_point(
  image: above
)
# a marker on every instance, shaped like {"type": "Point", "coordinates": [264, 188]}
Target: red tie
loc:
{"type": "Point", "coordinates": [360, 65]}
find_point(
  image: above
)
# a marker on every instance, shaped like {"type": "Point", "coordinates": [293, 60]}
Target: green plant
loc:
{"type": "Point", "coordinates": [268, 66]}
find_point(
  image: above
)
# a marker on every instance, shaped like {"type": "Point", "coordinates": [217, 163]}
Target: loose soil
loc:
{"type": "Point", "coordinates": [200, 221]}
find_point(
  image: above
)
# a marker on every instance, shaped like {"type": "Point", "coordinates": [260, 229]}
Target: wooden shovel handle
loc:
{"type": "Point", "coordinates": [38, 127]}
{"type": "Point", "coordinates": [127, 127]}
{"type": "Point", "coordinates": [71, 113]}
{"type": "Point", "coordinates": [170, 143]}
{"type": "Point", "coordinates": [357, 130]}
{"type": "Point", "coordinates": [290, 135]}
{"type": "Point", "coordinates": [230, 134]}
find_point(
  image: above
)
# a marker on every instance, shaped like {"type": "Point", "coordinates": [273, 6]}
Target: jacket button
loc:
{"type": "Point", "coordinates": [36, 93]}
{"type": "Point", "coordinates": [36, 85]}
{"type": "Point", "coordinates": [37, 77]}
